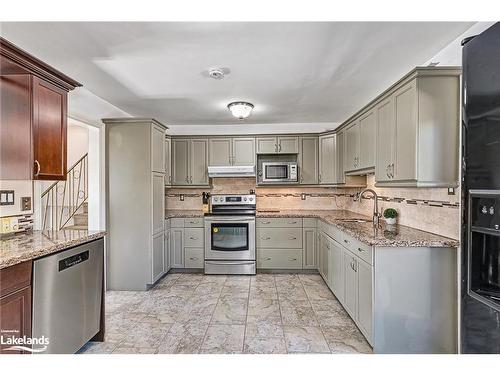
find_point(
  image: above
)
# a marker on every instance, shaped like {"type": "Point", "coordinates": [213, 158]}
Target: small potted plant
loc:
{"type": "Point", "coordinates": [390, 215]}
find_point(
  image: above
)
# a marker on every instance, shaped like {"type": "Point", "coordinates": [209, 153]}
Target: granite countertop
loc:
{"type": "Point", "coordinates": [390, 236]}
{"type": "Point", "coordinates": [35, 244]}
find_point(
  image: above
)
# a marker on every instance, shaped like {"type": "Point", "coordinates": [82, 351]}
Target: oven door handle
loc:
{"type": "Point", "coordinates": [230, 220]}
{"type": "Point", "coordinates": [229, 262]}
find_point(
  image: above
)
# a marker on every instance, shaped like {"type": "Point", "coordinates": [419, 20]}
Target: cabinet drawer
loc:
{"type": "Point", "coordinates": [331, 231]}
{"type": "Point", "coordinates": [194, 257]}
{"type": "Point", "coordinates": [265, 222]}
{"type": "Point", "coordinates": [193, 222]}
{"type": "Point", "coordinates": [361, 249]}
{"type": "Point", "coordinates": [193, 237]}
{"type": "Point", "coordinates": [279, 259]}
{"type": "Point", "coordinates": [176, 223]}
{"type": "Point", "coordinates": [279, 238]}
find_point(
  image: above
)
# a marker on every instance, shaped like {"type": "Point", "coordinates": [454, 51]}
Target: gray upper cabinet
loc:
{"type": "Point", "coordinates": [385, 138]}
{"type": "Point", "coordinates": [168, 162]}
{"type": "Point", "coordinates": [308, 160]}
{"type": "Point", "coordinates": [189, 161]}
{"type": "Point", "coordinates": [351, 147]}
{"type": "Point", "coordinates": [199, 162]}
{"type": "Point", "coordinates": [267, 145]}
{"type": "Point", "coordinates": [243, 151]}
{"type": "Point", "coordinates": [232, 151]}
{"type": "Point", "coordinates": [339, 158]}
{"type": "Point", "coordinates": [418, 128]}
{"type": "Point", "coordinates": [278, 145]}
{"type": "Point", "coordinates": [327, 159]}
{"type": "Point", "coordinates": [220, 151]}
{"type": "Point", "coordinates": [288, 145]}
{"type": "Point", "coordinates": [367, 130]}
{"type": "Point", "coordinates": [157, 149]}
{"type": "Point", "coordinates": [180, 161]}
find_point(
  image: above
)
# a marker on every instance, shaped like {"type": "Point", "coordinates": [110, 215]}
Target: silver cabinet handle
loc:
{"type": "Point", "coordinates": [346, 241]}
{"type": "Point", "coordinates": [292, 238]}
{"type": "Point", "coordinates": [319, 177]}
{"type": "Point", "coordinates": [267, 259]}
{"type": "Point", "coordinates": [279, 147]}
{"type": "Point", "coordinates": [292, 259]}
{"type": "Point", "coordinates": [193, 222]}
{"type": "Point", "coordinates": [265, 238]}
{"type": "Point", "coordinates": [37, 168]}
{"type": "Point", "coordinates": [170, 179]}
{"type": "Point", "coordinates": [193, 258]}
{"type": "Point", "coordinates": [392, 170]}
{"type": "Point", "coordinates": [361, 250]}
{"type": "Point", "coordinates": [301, 178]}
{"type": "Point", "coordinates": [292, 222]}
{"type": "Point", "coordinates": [265, 222]}
{"type": "Point", "coordinates": [191, 179]}
{"type": "Point", "coordinates": [193, 238]}
{"type": "Point", "coordinates": [275, 147]}
{"type": "Point", "coordinates": [387, 171]}
{"type": "Point", "coordinates": [187, 179]}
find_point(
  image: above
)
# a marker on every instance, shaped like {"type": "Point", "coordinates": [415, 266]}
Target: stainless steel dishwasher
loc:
{"type": "Point", "coordinates": [67, 295]}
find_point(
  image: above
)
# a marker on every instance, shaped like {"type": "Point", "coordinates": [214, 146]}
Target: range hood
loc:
{"type": "Point", "coordinates": [231, 171]}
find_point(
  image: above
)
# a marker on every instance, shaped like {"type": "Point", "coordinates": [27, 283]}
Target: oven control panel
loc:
{"type": "Point", "coordinates": [248, 199]}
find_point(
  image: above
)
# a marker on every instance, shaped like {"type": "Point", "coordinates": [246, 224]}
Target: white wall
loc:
{"type": "Point", "coordinates": [22, 188]}
{"type": "Point", "coordinates": [78, 141]}
{"type": "Point", "coordinates": [452, 53]}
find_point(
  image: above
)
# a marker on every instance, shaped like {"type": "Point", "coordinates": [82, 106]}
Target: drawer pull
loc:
{"type": "Point", "coordinates": [265, 222]}
{"type": "Point", "coordinates": [265, 238]}
{"type": "Point", "coordinates": [292, 222]}
{"type": "Point", "coordinates": [346, 241]}
{"type": "Point", "coordinates": [193, 238]}
{"type": "Point", "coordinates": [192, 258]}
{"type": "Point", "coordinates": [267, 259]}
{"type": "Point", "coordinates": [292, 259]}
{"type": "Point", "coordinates": [360, 249]}
{"type": "Point", "coordinates": [292, 238]}
{"type": "Point", "coordinates": [193, 222]}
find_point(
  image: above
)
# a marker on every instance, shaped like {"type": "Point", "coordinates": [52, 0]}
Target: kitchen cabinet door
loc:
{"type": "Point", "coordinates": [180, 161]}
{"type": "Point", "coordinates": [158, 203]}
{"type": "Point", "coordinates": [166, 251]}
{"type": "Point", "coordinates": [199, 162]}
{"type": "Point", "coordinates": [385, 139]}
{"type": "Point", "coordinates": [168, 161]}
{"type": "Point", "coordinates": [158, 256]}
{"type": "Point", "coordinates": [405, 103]}
{"type": "Point", "coordinates": [309, 257]}
{"type": "Point", "coordinates": [367, 129]}
{"type": "Point", "coordinates": [243, 151]}
{"type": "Point", "coordinates": [49, 131]}
{"type": "Point", "coordinates": [339, 158]}
{"type": "Point", "coordinates": [177, 247]}
{"type": "Point", "coordinates": [220, 152]}
{"type": "Point", "coordinates": [365, 313]}
{"type": "Point", "coordinates": [288, 145]}
{"type": "Point", "coordinates": [327, 164]}
{"type": "Point", "coordinates": [267, 145]}
{"type": "Point", "coordinates": [351, 151]}
{"type": "Point", "coordinates": [351, 284]}
{"type": "Point", "coordinates": [15, 313]}
{"type": "Point", "coordinates": [157, 149]}
{"type": "Point", "coordinates": [308, 160]}
{"type": "Point", "coordinates": [336, 269]}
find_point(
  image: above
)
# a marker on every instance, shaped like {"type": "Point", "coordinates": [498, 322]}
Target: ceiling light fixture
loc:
{"type": "Point", "coordinates": [216, 73]}
{"type": "Point", "coordinates": [240, 110]}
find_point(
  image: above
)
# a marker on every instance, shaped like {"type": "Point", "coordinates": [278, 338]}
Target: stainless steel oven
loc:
{"type": "Point", "coordinates": [230, 235]}
{"type": "Point", "coordinates": [279, 172]}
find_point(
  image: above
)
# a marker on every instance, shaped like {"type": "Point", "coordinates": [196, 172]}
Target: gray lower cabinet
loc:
{"type": "Point", "coordinates": [365, 300]}
{"type": "Point", "coordinates": [177, 247]}
{"type": "Point", "coordinates": [309, 259]}
{"type": "Point", "coordinates": [351, 284]}
{"type": "Point", "coordinates": [166, 248]}
{"type": "Point", "coordinates": [279, 258]}
{"type": "Point", "coordinates": [308, 160]}
{"type": "Point", "coordinates": [187, 243]}
{"type": "Point", "coordinates": [336, 270]}
{"type": "Point", "coordinates": [158, 256]}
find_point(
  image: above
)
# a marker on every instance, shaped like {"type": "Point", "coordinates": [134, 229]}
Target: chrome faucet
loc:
{"type": "Point", "coordinates": [376, 215]}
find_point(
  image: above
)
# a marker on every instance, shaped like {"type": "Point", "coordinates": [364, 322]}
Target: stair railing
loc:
{"type": "Point", "coordinates": [62, 199]}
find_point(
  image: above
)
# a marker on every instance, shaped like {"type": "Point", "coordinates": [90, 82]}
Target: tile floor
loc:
{"type": "Point", "coordinates": [195, 313]}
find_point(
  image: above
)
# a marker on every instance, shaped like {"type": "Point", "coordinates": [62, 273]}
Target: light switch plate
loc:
{"type": "Point", "coordinates": [6, 197]}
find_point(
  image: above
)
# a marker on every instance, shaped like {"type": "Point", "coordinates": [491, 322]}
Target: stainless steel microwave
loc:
{"type": "Point", "coordinates": [279, 172]}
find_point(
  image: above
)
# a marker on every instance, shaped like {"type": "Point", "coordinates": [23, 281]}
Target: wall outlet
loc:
{"type": "Point", "coordinates": [303, 196]}
{"type": "Point", "coordinates": [181, 197]}
{"type": "Point", "coordinates": [25, 203]}
{"type": "Point", "coordinates": [451, 191]}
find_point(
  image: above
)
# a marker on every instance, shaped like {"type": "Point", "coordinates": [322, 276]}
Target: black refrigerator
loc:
{"type": "Point", "coordinates": [480, 289]}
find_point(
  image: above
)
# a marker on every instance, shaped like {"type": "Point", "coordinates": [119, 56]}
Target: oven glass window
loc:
{"type": "Point", "coordinates": [229, 236]}
{"type": "Point", "coordinates": [276, 172]}
{"type": "Point", "coordinates": [484, 266]}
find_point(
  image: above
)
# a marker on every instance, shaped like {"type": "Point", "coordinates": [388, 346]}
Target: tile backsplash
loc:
{"type": "Point", "coordinates": [429, 209]}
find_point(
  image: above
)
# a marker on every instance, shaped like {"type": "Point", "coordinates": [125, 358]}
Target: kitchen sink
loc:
{"type": "Point", "coordinates": [355, 220]}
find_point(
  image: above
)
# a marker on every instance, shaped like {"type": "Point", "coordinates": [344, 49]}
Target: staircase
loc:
{"type": "Point", "coordinates": [64, 203]}
{"type": "Point", "coordinates": [80, 219]}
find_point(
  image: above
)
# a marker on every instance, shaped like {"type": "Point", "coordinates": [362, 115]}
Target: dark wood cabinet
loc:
{"type": "Point", "coordinates": [15, 303]}
{"type": "Point", "coordinates": [33, 116]}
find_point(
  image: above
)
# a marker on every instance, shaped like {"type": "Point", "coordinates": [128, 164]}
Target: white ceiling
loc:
{"type": "Point", "coordinates": [291, 72]}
